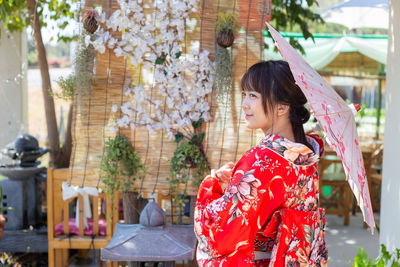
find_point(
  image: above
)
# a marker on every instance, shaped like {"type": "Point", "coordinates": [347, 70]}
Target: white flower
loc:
{"type": "Point", "coordinates": [157, 103]}
{"type": "Point", "coordinates": [184, 81]}
{"type": "Point", "coordinates": [114, 108]}
{"type": "Point", "coordinates": [133, 127]}
{"type": "Point", "coordinates": [112, 42]}
{"type": "Point", "coordinates": [98, 44]}
{"type": "Point", "coordinates": [87, 40]}
{"type": "Point", "coordinates": [112, 129]}
{"type": "Point", "coordinates": [119, 52]}
{"type": "Point", "coordinates": [170, 102]}
{"type": "Point", "coordinates": [195, 116]}
{"type": "Point", "coordinates": [126, 108]}
{"type": "Point", "coordinates": [150, 129]}
{"type": "Point", "coordinates": [206, 117]}
{"type": "Point", "coordinates": [170, 135]}
{"type": "Point", "coordinates": [102, 18]}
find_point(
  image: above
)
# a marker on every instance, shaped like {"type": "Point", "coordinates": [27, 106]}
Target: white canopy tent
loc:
{"type": "Point", "coordinates": [358, 13]}
{"type": "Point", "coordinates": [327, 47]}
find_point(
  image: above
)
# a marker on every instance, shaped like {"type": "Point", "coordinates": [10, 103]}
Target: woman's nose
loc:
{"type": "Point", "coordinates": [245, 104]}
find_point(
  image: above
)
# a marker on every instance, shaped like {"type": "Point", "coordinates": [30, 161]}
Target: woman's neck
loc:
{"type": "Point", "coordinates": [281, 128]}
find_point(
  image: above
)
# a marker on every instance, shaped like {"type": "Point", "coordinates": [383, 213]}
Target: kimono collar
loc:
{"type": "Point", "coordinates": [296, 153]}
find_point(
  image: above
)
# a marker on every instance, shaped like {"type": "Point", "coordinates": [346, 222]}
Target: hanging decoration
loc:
{"type": "Point", "coordinates": [85, 55]}
{"type": "Point", "coordinates": [225, 26]}
{"type": "Point", "coordinates": [90, 21]}
{"type": "Point", "coordinates": [183, 79]}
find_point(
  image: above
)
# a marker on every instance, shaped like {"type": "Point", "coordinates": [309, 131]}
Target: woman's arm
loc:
{"type": "Point", "coordinates": [227, 221]}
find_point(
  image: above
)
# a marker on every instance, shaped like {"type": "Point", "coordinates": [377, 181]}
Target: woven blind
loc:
{"type": "Point", "coordinates": [227, 137]}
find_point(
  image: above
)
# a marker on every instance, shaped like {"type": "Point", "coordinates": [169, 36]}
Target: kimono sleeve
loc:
{"type": "Point", "coordinates": [226, 222]}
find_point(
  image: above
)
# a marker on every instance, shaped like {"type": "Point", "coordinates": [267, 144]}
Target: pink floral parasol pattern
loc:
{"type": "Point", "coordinates": [336, 119]}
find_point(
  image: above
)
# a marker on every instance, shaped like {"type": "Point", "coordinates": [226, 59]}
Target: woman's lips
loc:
{"type": "Point", "coordinates": [248, 116]}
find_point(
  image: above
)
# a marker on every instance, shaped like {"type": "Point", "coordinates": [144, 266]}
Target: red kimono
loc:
{"type": "Point", "coordinates": [268, 215]}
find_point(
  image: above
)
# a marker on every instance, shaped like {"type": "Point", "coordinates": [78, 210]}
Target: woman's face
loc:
{"type": "Point", "coordinates": [254, 112]}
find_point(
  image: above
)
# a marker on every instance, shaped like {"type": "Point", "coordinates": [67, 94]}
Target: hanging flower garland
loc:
{"type": "Point", "coordinates": [155, 43]}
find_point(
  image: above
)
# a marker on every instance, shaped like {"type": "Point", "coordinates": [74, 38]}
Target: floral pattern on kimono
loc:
{"type": "Point", "coordinates": [268, 214]}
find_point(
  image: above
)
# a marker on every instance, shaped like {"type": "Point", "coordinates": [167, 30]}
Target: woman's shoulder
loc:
{"type": "Point", "coordinates": [262, 151]}
{"type": "Point", "coordinates": [275, 146]}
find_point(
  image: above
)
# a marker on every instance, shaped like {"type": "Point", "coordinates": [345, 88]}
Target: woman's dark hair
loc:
{"type": "Point", "coordinates": [275, 82]}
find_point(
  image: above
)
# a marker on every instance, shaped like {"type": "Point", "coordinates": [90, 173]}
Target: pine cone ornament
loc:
{"type": "Point", "coordinates": [90, 21]}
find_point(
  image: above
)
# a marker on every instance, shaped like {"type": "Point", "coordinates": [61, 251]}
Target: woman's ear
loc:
{"type": "Point", "coordinates": [282, 109]}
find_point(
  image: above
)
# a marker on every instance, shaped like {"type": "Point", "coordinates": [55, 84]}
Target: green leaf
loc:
{"type": "Point", "coordinates": [178, 55]}
{"type": "Point", "coordinates": [15, 17]}
{"type": "Point", "coordinates": [188, 158]}
{"type": "Point", "coordinates": [120, 166]}
{"type": "Point", "coordinates": [198, 139]}
{"type": "Point", "coordinates": [197, 124]}
{"type": "Point", "coordinates": [287, 15]}
{"type": "Point", "coordinates": [161, 59]}
{"type": "Point", "coordinates": [178, 137]}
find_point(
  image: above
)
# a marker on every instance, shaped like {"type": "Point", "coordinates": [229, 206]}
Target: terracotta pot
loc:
{"type": "Point", "coordinates": [2, 225]}
{"type": "Point", "coordinates": [225, 39]}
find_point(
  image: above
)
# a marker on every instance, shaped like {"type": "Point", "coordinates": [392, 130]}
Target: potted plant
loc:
{"type": "Point", "coordinates": [2, 210]}
{"type": "Point", "coordinates": [189, 163]}
{"type": "Point", "coordinates": [120, 168]}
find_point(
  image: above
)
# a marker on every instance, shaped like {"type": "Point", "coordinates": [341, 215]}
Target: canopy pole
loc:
{"type": "Point", "coordinates": [379, 100]}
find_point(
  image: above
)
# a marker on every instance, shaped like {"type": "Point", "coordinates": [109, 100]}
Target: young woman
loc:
{"type": "Point", "coordinates": [268, 215]}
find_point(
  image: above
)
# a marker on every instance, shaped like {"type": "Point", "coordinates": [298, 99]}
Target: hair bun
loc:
{"type": "Point", "coordinates": [299, 115]}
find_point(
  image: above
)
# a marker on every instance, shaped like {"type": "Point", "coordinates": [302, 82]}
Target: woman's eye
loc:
{"type": "Point", "coordinates": [253, 95]}
{"type": "Point", "coordinates": [243, 94]}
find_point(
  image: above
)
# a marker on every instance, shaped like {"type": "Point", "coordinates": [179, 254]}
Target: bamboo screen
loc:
{"type": "Point", "coordinates": [227, 137]}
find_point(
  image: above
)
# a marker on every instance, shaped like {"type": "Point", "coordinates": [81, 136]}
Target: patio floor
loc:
{"type": "Point", "coordinates": [344, 241]}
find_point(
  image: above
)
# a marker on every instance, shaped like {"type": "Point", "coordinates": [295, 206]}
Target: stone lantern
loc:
{"type": "Point", "coordinates": [151, 241]}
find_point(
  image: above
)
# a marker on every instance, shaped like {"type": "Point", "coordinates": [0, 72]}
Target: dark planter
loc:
{"type": "Point", "coordinates": [90, 22]}
{"type": "Point", "coordinates": [225, 38]}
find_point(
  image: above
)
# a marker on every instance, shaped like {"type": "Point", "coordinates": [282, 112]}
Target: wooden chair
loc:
{"type": "Point", "coordinates": [375, 185]}
{"type": "Point", "coordinates": [375, 176]}
{"type": "Point", "coordinates": [341, 199]}
{"type": "Point", "coordinates": [331, 174]}
{"type": "Point", "coordinates": [58, 211]}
